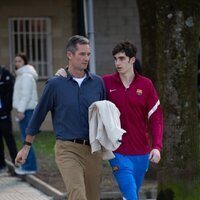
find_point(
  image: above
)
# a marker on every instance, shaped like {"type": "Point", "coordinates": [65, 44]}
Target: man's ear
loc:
{"type": "Point", "coordinates": [69, 55]}
{"type": "Point", "coordinates": [133, 59]}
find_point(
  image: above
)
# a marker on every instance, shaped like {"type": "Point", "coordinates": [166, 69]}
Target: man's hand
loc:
{"type": "Point", "coordinates": [154, 156]}
{"type": "Point", "coordinates": [22, 155]}
{"type": "Point", "coordinates": [61, 72]}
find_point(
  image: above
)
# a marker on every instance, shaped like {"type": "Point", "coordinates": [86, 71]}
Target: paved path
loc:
{"type": "Point", "coordinates": [14, 188]}
{"type": "Point", "coordinates": [18, 188]}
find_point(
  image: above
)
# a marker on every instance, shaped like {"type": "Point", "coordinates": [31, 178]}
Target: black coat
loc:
{"type": "Point", "coordinates": [6, 93]}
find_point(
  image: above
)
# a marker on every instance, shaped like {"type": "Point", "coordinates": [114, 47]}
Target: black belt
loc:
{"type": "Point", "coordinates": [84, 142]}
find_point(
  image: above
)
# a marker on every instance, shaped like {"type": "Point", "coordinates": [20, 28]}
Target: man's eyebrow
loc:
{"type": "Point", "coordinates": [119, 57]}
{"type": "Point", "coordinates": [82, 52]}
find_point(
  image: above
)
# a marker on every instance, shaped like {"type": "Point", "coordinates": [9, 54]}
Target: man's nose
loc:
{"type": "Point", "coordinates": [117, 62]}
{"type": "Point", "coordinates": [87, 57]}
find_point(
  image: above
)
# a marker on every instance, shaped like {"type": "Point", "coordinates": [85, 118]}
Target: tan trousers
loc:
{"type": "Point", "coordinates": [80, 170]}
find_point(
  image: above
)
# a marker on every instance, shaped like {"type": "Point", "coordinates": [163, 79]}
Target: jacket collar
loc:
{"type": "Point", "coordinates": [88, 74]}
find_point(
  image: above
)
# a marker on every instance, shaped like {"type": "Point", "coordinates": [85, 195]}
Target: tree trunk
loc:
{"type": "Point", "coordinates": [170, 31]}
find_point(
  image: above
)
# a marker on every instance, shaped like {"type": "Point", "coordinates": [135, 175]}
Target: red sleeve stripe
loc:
{"type": "Point", "coordinates": [153, 109]}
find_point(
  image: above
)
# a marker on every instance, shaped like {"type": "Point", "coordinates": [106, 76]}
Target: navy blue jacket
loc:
{"type": "Point", "coordinates": [68, 104]}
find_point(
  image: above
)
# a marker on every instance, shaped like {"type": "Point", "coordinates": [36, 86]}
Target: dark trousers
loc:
{"type": "Point", "coordinates": [7, 134]}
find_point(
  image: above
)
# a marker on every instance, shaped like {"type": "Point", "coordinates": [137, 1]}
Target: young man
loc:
{"type": "Point", "coordinates": [137, 100]}
{"type": "Point", "coordinates": [68, 99]}
{"type": "Point", "coordinates": [6, 93]}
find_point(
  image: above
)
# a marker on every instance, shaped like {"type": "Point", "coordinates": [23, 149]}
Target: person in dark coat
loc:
{"type": "Point", "coordinates": [6, 133]}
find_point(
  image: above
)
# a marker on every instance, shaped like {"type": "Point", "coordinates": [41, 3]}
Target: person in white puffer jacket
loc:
{"type": "Point", "coordinates": [25, 99]}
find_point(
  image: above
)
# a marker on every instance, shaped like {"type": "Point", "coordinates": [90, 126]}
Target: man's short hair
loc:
{"type": "Point", "coordinates": [74, 40]}
{"type": "Point", "coordinates": [125, 47]}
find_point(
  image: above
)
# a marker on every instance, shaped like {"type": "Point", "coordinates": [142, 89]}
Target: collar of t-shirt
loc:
{"type": "Point", "coordinates": [80, 80]}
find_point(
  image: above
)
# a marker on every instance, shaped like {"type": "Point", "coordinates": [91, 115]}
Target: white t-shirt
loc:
{"type": "Point", "coordinates": [79, 80]}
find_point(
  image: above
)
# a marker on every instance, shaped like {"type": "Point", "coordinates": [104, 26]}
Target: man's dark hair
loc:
{"type": "Point", "coordinates": [125, 47]}
{"type": "Point", "coordinates": [74, 40]}
{"type": "Point", "coordinates": [23, 56]}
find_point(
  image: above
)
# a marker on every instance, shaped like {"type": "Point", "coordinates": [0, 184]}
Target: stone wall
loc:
{"type": "Point", "coordinates": [115, 21]}
{"type": "Point", "coordinates": [61, 15]}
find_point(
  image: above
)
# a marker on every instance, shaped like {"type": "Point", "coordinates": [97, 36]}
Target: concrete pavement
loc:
{"type": "Point", "coordinates": [30, 187]}
{"type": "Point", "coordinates": [27, 187]}
{"type": "Point", "coordinates": [14, 188]}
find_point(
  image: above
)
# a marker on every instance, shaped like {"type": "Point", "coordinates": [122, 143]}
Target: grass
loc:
{"type": "Point", "coordinates": [181, 191]}
{"type": "Point", "coordinates": [43, 143]}
{"type": "Point", "coordinates": [44, 148]}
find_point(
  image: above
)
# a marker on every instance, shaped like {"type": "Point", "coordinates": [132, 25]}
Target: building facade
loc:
{"type": "Point", "coordinates": [41, 29]}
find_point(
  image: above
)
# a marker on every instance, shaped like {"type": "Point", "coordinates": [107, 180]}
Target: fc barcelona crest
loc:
{"type": "Point", "coordinates": [139, 92]}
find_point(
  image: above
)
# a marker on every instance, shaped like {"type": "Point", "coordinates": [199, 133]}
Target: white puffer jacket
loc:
{"type": "Point", "coordinates": [25, 89]}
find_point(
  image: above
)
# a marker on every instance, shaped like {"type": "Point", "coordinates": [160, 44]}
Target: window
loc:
{"type": "Point", "coordinates": [32, 36]}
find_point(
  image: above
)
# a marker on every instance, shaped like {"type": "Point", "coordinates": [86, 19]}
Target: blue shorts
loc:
{"type": "Point", "coordinates": [129, 172]}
